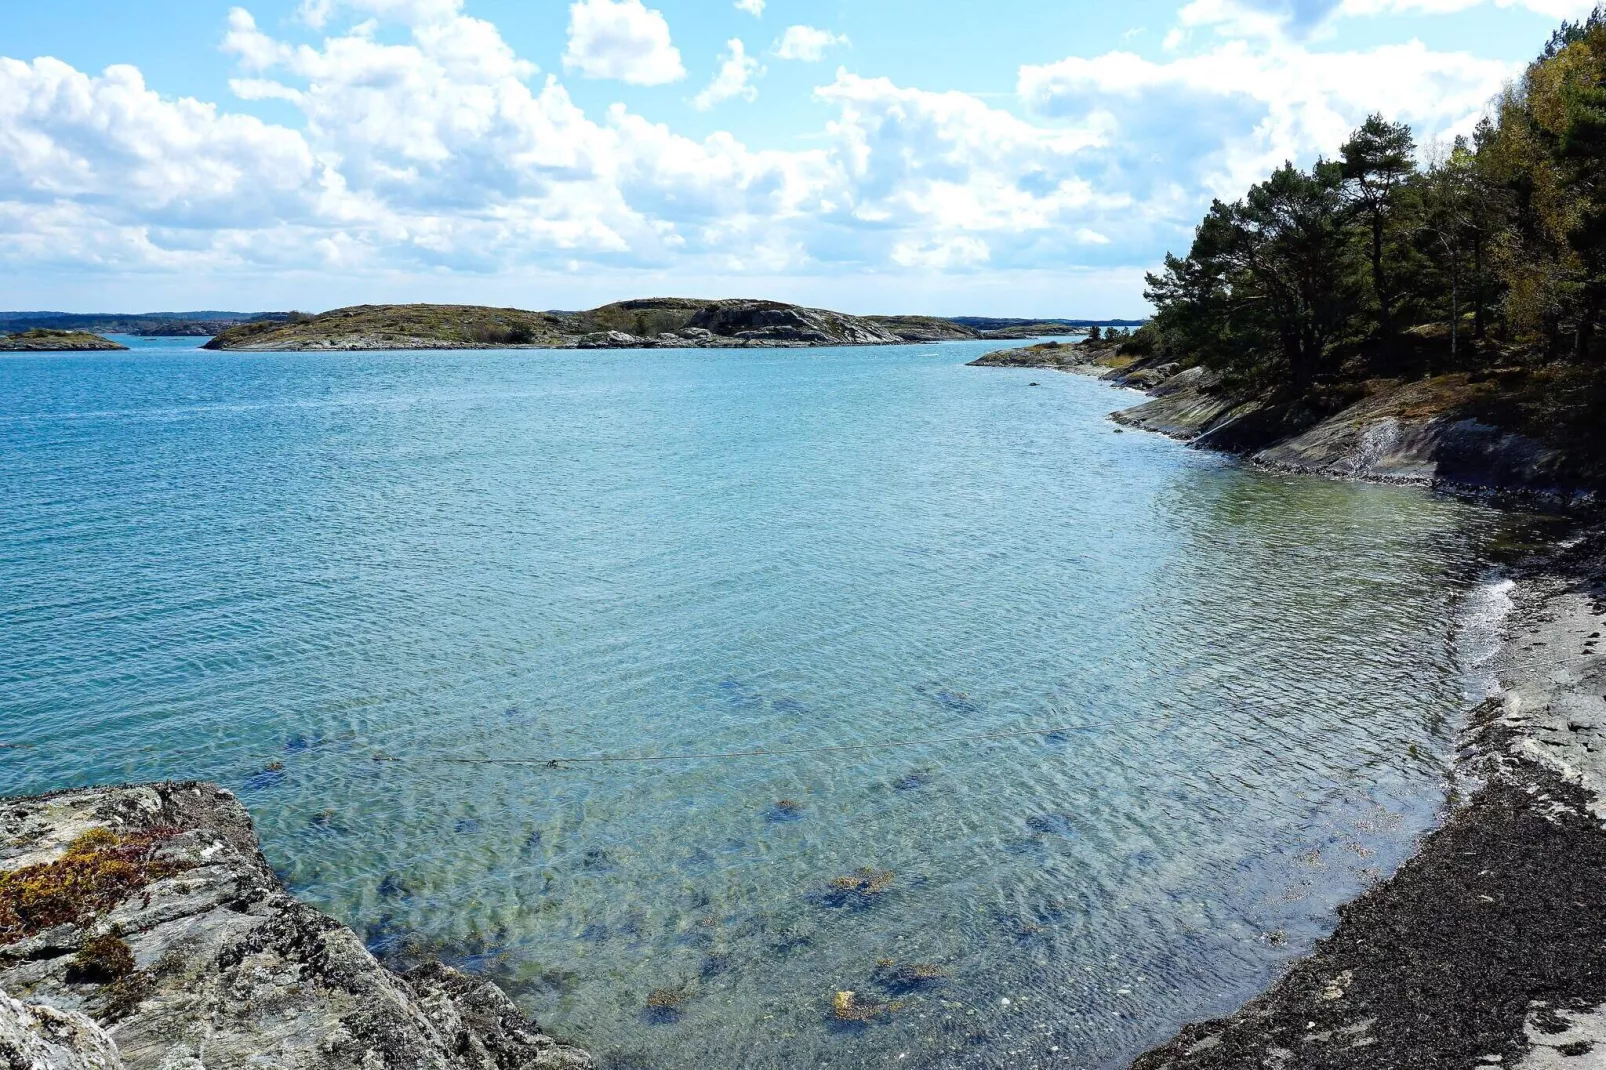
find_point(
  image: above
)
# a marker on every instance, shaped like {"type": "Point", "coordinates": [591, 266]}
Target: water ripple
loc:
{"type": "Point", "coordinates": [265, 569]}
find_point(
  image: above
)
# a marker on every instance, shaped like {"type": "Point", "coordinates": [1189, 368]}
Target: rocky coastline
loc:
{"type": "Point", "coordinates": [45, 340]}
{"type": "Point", "coordinates": [1488, 947]}
{"type": "Point", "coordinates": [141, 927]}
{"type": "Point", "coordinates": [1409, 433]}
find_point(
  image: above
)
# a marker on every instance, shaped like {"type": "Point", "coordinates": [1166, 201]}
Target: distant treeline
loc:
{"type": "Point", "coordinates": [1485, 256]}
{"type": "Point", "coordinates": [993, 323]}
{"type": "Point", "coordinates": [145, 323]}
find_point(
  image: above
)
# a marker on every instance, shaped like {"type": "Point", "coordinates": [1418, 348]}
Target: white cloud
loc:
{"type": "Point", "coordinates": [752, 7]}
{"type": "Point", "coordinates": [1300, 19]}
{"type": "Point", "coordinates": [1231, 114]}
{"type": "Point", "coordinates": [425, 146]}
{"type": "Point", "coordinates": [733, 79]}
{"type": "Point", "coordinates": [111, 141]}
{"type": "Point", "coordinates": [941, 255]}
{"type": "Point", "coordinates": [317, 13]}
{"type": "Point", "coordinates": [623, 40]}
{"type": "Point", "coordinates": [806, 43]}
{"type": "Point", "coordinates": [1554, 9]}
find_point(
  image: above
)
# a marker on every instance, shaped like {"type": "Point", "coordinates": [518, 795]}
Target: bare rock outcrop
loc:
{"type": "Point", "coordinates": [37, 1037]}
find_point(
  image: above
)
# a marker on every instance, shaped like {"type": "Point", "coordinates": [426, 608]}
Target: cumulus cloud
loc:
{"type": "Point", "coordinates": [1301, 19]}
{"type": "Point", "coordinates": [111, 141]}
{"type": "Point", "coordinates": [752, 7]}
{"type": "Point", "coordinates": [733, 79]}
{"type": "Point", "coordinates": [623, 40]}
{"type": "Point", "coordinates": [317, 13]}
{"type": "Point", "coordinates": [806, 43]}
{"type": "Point", "coordinates": [1236, 111]}
{"type": "Point", "coordinates": [424, 143]}
{"type": "Point", "coordinates": [941, 255]}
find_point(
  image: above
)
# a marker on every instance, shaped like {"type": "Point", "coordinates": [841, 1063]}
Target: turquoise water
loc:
{"type": "Point", "coordinates": [218, 562]}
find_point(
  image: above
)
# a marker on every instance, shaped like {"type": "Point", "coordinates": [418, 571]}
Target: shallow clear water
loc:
{"type": "Point", "coordinates": [216, 562]}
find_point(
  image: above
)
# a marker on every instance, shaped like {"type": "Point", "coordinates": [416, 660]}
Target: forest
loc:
{"type": "Point", "coordinates": [1483, 259]}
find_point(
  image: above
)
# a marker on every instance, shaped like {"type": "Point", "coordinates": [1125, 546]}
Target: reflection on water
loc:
{"type": "Point", "coordinates": [269, 569]}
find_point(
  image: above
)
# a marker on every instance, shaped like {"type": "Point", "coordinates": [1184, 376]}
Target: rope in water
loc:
{"type": "Point", "coordinates": [558, 762]}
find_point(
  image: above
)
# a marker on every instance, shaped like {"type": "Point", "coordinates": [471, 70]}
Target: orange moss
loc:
{"type": "Point", "coordinates": [102, 959]}
{"type": "Point", "coordinates": [99, 870]}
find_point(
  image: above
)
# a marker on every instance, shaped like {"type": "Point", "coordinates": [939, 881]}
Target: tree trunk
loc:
{"type": "Point", "coordinates": [1477, 287]}
{"type": "Point", "coordinates": [1385, 315]}
{"type": "Point", "coordinates": [1455, 319]}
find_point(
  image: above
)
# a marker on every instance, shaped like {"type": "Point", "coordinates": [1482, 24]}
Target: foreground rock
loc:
{"type": "Point", "coordinates": [43, 340]}
{"type": "Point", "coordinates": [1489, 947]}
{"type": "Point", "coordinates": [34, 1037]}
{"type": "Point", "coordinates": [657, 323]}
{"type": "Point", "coordinates": [151, 912]}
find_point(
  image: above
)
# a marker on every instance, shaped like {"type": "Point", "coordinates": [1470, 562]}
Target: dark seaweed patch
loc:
{"type": "Point", "coordinates": [783, 810]}
{"type": "Point", "coordinates": [914, 779]}
{"type": "Point", "coordinates": [740, 695]}
{"type": "Point", "coordinates": [902, 978]}
{"type": "Point", "coordinates": [664, 1005]}
{"type": "Point", "coordinates": [859, 890]}
{"type": "Point", "coordinates": [790, 939]}
{"type": "Point", "coordinates": [266, 779]}
{"type": "Point", "coordinates": [385, 939]}
{"type": "Point", "coordinates": [1052, 824]}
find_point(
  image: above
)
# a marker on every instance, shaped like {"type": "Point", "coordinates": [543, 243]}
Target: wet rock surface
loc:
{"type": "Point", "coordinates": [222, 967]}
{"type": "Point", "coordinates": [1489, 947]}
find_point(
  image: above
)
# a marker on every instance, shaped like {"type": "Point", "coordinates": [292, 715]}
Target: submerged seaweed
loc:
{"type": "Point", "coordinates": [914, 779]}
{"type": "Point", "coordinates": [269, 777]}
{"type": "Point", "coordinates": [847, 1008]}
{"type": "Point", "coordinates": [858, 890]}
{"type": "Point", "coordinates": [783, 810]}
{"type": "Point", "coordinates": [663, 1005]}
{"type": "Point", "coordinates": [902, 978]}
{"type": "Point", "coordinates": [1052, 824]}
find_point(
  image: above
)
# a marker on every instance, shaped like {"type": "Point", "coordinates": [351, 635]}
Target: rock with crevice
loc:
{"type": "Point", "coordinates": [229, 970]}
{"type": "Point", "coordinates": [36, 1037]}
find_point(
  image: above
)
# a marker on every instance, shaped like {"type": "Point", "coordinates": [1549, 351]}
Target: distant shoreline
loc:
{"type": "Point", "coordinates": [651, 323]}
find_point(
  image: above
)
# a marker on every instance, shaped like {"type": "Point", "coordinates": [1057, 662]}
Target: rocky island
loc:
{"type": "Point", "coordinates": [141, 927]}
{"type": "Point", "coordinates": [656, 323]}
{"type": "Point", "coordinates": [45, 340]}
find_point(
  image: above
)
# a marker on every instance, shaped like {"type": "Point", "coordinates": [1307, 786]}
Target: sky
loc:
{"type": "Point", "coordinates": [948, 157]}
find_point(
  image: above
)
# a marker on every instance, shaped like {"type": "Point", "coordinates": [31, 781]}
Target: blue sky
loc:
{"type": "Point", "coordinates": [1008, 158]}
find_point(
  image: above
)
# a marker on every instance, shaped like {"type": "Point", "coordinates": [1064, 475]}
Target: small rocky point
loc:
{"type": "Point", "coordinates": [42, 340]}
{"type": "Point", "coordinates": [141, 927]}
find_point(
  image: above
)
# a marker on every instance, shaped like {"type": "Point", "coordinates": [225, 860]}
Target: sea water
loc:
{"type": "Point", "coordinates": [322, 579]}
